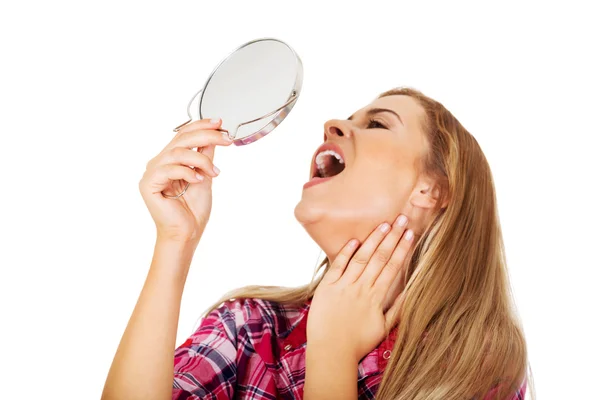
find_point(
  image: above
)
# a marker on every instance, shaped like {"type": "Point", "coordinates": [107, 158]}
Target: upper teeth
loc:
{"type": "Point", "coordinates": [321, 155]}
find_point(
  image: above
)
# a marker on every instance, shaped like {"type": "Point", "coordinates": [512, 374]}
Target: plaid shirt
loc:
{"type": "Point", "coordinates": [254, 349]}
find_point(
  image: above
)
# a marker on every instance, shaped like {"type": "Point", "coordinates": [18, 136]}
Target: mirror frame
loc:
{"type": "Point", "coordinates": [281, 112]}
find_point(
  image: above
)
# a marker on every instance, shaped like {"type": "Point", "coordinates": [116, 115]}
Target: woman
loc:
{"type": "Point", "coordinates": [417, 308]}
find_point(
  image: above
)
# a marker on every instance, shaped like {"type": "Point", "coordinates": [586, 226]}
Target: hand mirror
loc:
{"type": "Point", "coordinates": [252, 90]}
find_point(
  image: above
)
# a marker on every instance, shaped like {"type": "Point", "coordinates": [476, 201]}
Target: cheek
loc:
{"type": "Point", "coordinates": [378, 184]}
{"type": "Point", "coordinates": [371, 194]}
{"type": "Point", "coordinates": [371, 202]}
{"type": "Point", "coordinates": [380, 175]}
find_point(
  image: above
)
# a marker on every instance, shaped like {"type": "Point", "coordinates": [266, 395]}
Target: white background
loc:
{"type": "Point", "coordinates": [91, 91]}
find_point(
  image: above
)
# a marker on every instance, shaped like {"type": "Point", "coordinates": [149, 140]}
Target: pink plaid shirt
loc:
{"type": "Point", "coordinates": [254, 349]}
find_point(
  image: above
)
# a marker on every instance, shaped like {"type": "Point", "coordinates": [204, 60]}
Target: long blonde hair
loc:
{"type": "Point", "coordinates": [460, 294]}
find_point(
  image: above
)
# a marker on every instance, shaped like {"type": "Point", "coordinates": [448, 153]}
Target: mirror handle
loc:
{"type": "Point", "coordinates": [188, 110]}
{"type": "Point", "coordinates": [179, 127]}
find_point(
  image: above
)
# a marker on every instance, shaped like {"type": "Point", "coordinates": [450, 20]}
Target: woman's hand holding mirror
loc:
{"type": "Point", "coordinates": [169, 172]}
{"type": "Point", "coordinates": [253, 89]}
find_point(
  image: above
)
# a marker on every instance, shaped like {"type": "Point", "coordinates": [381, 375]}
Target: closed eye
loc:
{"type": "Point", "coordinates": [375, 124]}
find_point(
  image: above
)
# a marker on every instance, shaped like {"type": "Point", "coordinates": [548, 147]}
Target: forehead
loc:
{"type": "Point", "coordinates": [408, 108]}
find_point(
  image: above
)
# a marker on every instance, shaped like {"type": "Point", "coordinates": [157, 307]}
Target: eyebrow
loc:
{"type": "Point", "coordinates": [374, 111]}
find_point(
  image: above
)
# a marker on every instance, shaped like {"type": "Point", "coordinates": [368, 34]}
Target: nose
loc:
{"type": "Point", "coordinates": [335, 128]}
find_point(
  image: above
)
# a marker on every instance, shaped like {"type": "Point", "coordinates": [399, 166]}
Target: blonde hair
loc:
{"type": "Point", "coordinates": [460, 294]}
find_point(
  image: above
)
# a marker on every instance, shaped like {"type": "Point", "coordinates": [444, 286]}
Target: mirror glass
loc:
{"type": "Point", "coordinates": [261, 78]}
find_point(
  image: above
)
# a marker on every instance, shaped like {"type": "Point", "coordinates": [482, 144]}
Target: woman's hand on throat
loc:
{"type": "Point", "coordinates": [347, 313]}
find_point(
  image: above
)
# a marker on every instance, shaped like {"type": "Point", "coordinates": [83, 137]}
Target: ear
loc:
{"type": "Point", "coordinates": [426, 194]}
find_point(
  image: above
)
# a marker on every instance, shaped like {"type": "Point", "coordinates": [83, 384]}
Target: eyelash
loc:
{"type": "Point", "coordinates": [373, 121]}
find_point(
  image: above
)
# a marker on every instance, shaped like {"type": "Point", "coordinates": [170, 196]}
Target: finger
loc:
{"type": "Point", "coordinates": [205, 123]}
{"type": "Point", "coordinates": [199, 138]}
{"type": "Point", "coordinates": [160, 178]}
{"type": "Point", "coordinates": [187, 157]}
{"type": "Point", "coordinates": [340, 262]}
{"type": "Point", "coordinates": [363, 255]}
{"type": "Point", "coordinates": [384, 252]}
{"type": "Point", "coordinates": [208, 151]}
{"type": "Point", "coordinates": [393, 267]}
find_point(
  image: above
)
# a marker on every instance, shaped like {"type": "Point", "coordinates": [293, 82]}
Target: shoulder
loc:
{"type": "Point", "coordinates": [253, 315]}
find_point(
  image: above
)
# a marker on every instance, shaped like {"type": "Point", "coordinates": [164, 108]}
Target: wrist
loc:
{"type": "Point", "coordinates": [331, 372]}
{"type": "Point", "coordinates": [179, 245]}
{"type": "Point", "coordinates": [334, 350]}
{"type": "Point", "coordinates": [172, 259]}
{"type": "Point", "coordinates": [177, 239]}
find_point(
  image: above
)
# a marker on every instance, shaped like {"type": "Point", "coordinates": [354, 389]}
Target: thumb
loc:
{"type": "Point", "coordinates": [208, 151]}
{"type": "Point", "coordinates": [392, 314]}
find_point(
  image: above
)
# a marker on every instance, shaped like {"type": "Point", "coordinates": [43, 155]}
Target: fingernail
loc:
{"type": "Point", "coordinates": [199, 177]}
{"type": "Point", "coordinates": [217, 170]}
{"type": "Point", "coordinates": [226, 137]}
{"type": "Point", "coordinates": [408, 235]}
{"type": "Point", "coordinates": [401, 221]}
{"type": "Point", "coordinates": [384, 227]}
{"type": "Point", "coordinates": [353, 243]}
{"type": "Point", "coordinates": [215, 120]}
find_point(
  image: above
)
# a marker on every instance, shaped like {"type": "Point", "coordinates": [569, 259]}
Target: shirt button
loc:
{"type": "Point", "coordinates": [387, 354]}
{"type": "Point", "coordinates": [287, 347]}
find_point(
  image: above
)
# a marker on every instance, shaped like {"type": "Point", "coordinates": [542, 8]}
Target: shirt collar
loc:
{"type": "Point", "coordinates": [295, 336]}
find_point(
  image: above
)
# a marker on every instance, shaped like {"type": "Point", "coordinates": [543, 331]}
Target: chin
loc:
{"type": "Point", "coordinates": [330, 234]}
{"type": "Point", "coordinates": [306, 214]}
{"type": "Point", "coordinates": [314, 223]}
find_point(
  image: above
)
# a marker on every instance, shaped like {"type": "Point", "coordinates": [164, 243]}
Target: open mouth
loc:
{"type": "Point", "coordinates": [328, 163]}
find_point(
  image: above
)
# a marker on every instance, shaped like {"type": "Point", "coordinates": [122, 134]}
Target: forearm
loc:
{"type": "Point", "coordinates": [330, 374]}
{"type": "Point", "coordinates": [143, 365]}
